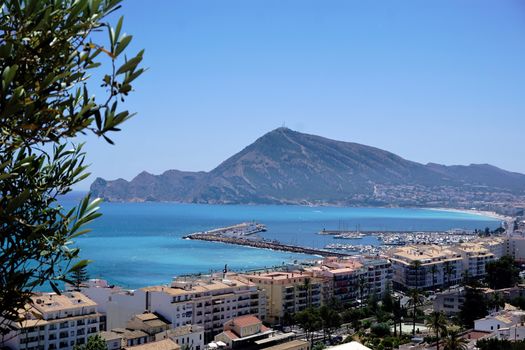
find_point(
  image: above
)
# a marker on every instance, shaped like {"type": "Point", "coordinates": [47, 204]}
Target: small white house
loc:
{"type": "Point", "coordinates": [499, 320]}
{"type": "Point", "coordinates": [512, 333]}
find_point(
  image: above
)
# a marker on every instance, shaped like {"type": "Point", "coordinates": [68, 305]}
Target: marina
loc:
{"type": "Point", "coordinates": [147, 237]}
{"type": "Point", "coordinates": [237, 235]}
{"type": "Point", "coordinates": [240, 230]}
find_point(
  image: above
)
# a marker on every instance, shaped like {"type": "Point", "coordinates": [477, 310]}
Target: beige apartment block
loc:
{"type": "Point", "coordinates": [352, 280]}
{"type": "Point", "coordinates": [54, 321]}
{"type": "Point", "coordinates": [287, 292]}
{"type": "Point", "coordinates": [438, 266]}
{"type": "Point", "coordinates": [475, 256]}
{"type": "Point", "coordinates": [206, 301]}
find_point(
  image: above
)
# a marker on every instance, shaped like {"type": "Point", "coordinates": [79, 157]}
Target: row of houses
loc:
{"type": "Point", "coordinates": [64, 321]}
{"type": "Point", "coordinates": [200, 306]}
{"type": "Point", "coordinates": [193, 303]}
{"type": "Point", "coordinates": [209, 301]}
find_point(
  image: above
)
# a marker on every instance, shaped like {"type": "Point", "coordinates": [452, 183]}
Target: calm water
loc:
{"type": "Point", "coordinates": [139, 244]}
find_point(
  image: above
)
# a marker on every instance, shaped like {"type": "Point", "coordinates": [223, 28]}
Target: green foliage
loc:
{"type": "Point", "coordinates": [502, 273]}
{"type": "Point", "coordinates": [47, 55]}
{"type": "Point", "coordinates": [474, 307]}
{"type": "Point", "coordinates": [78, 277]}
{"type": "Point", "coordinates": [94, 343]}
{"type": "Point", "coordinates": [453, 342]}
{"type": "Point", "coordinates": [309, 320]}
{"type": "Point", "coordinates": [330, 319]}
{"type": "Point", "coordinates": [318, 346]}
{"type": "Point", "coordinates": [518, 302]}
{"type": "Point", "coordinates": [380, 329]}
{"type": "Point", "coordinates": [388, 301]}
{"type": "Point", "coordinates": [416, 299]}
{"type": "Point", "coordinates": [497, 344]}
{"type": "Point", "coordinates": [437, 323]}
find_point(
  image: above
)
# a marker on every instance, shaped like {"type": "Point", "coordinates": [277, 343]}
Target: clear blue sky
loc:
{"type": "Point", "coordinates": [432, 81]}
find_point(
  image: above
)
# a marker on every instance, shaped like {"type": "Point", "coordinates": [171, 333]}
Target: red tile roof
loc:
{"type": "Point", "coordinates": [230, 335]}
{"type": "Point", "coordinates": [246, 320]}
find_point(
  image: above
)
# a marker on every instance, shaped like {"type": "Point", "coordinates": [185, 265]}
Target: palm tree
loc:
{"type": "Point", "coordinates": [397, 313]}
{"type": "Point", "coordinates": [466, 278]}
{"type": "Point", "coordinates": [437, 322]}
{"type": "Point", "coordinates": [416, 266]}
{"type": "Point", "coordinates": [362, 283]}
{"type": "Point", "coordinates": [453, 342]}
{"type": "Point", "coordinates": [414, 302]}
{"type": "Point", "coordinates": [496, 302]}
{"type": "Point", "coordinates": [307, 287]}
{"type": "Point", "coordinates": [434, 270]}
{"type": "Point", "coordinates": [448, 272]}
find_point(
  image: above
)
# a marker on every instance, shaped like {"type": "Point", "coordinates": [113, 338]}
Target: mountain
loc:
{"type": "Point", "coordinates": [285, 166]}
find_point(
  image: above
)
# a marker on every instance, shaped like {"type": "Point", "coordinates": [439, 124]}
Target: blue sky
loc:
{"type": "Point", "coordinates": [432, 81]}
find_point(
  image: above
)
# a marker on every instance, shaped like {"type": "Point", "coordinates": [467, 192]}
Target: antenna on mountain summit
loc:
{"type": "Point", "coordinates": [284, 125]}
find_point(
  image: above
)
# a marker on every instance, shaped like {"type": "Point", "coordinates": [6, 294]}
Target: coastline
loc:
{"type": "Point", "coordinates": [485, 213]}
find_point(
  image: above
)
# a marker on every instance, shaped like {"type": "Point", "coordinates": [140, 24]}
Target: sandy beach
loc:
{"type": "Point", "coordinates": [490, 214]}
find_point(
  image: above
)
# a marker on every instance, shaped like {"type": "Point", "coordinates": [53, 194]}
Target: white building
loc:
{"type": "Point", "coordinates": [513, 333]}
{"type": "Point", "coordinates": [499, 320]}
{"type": "Point", "coordinates": [118, 305]}
{"type": "Point", "coordinates": [54, 321]}
{"type": "Point", "coordinates": [206, 301]}
{"type": "Point", "coordinates": [475, 256]}
{"type": "Point", "coordinates": [190, 336]}
{"type": "Point", "coordinates": [516, 247]}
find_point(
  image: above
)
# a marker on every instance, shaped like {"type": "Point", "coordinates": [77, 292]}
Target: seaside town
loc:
{"type": "Point", "coordinates": [410, 296]}
{"type": "Point", "coordinates": [171, 171]}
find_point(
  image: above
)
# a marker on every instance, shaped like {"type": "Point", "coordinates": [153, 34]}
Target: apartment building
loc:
{"type": "Point", "coordinates": [379, 272]}
{"type": "Point", "coordinates": [515, 246]}
{"type": "Point", "coordinates": [54, 321]}
{"type": "Point", "coordinates": [495, 245]}
{"type": "Point", "coordinates": [449, 301]}
{"type": "Point", "coordinates": [351, 280]}
{"type": "Point", "coordinates": [206, 301]}
{"type": "Point", "coordinates": [475, 256]}
{"type": "Point", "coordinates": [287, 292]}
{"type": "Point", "coordinates": [439, 266]}
{"type": "Point", "coordinates": [117, 304]}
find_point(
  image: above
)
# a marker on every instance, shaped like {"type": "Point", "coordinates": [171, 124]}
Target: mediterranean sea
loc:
{"type": "Point", "coordinates": [141, 244]}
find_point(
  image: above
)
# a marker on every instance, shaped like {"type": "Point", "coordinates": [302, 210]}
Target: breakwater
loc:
{"type": "Point", "coordinates": [222, 235]}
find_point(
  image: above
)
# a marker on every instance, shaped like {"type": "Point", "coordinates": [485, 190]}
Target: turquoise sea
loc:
{"type": "Point", "coordinates": [140, 244]}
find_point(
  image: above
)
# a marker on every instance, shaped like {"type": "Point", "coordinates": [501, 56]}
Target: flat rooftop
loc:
{"type": "Point", "coordinates": [49, 302]}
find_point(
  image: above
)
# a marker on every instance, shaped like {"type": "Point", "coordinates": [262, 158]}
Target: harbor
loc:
{"type": "Point", "coordinates": [239, 230]}
{"type": "Point", "coordinates": [238, 235]}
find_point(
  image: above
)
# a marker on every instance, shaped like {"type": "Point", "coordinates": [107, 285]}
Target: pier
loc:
{"type": "Point", "coordinates": [224, 235]}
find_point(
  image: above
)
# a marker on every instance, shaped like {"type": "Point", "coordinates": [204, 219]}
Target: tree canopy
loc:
{"type": "Point", "coordinates": [502, 273]}
{"type": "Point", "coordinates": [49, 55]}
{"type": "Point", "coordinates": [474, 307]}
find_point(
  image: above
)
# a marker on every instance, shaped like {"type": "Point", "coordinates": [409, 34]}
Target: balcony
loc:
{"type": "Point", "coordinates": [63, 335]}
